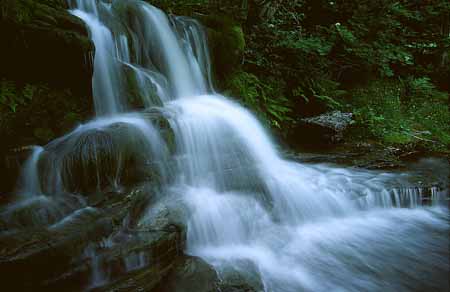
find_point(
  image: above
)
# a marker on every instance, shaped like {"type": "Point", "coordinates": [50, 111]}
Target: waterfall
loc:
{"type": "Point", "coordinates": [29, 182]}
{"type": "Point", "coordinates": [290, 226]}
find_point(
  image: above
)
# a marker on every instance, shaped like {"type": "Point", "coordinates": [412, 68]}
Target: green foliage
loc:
{"type": "Point", "coordinates": [381, 113]}
{"type": "Point", "coordinates": [350, 41]}
{"type": "Point", "coordinates": [330, 55]}
{"type": "Point", "coordinates": [17, 10]}
{"type": "Point", "coordinates": [12, 97]}
{"type": "Point", "coordinates": [265, 97]}
{"type": "Point", "coordinates": [23, 11]}
{"type": "Point", "coordinates": [34, 113]}
{"type": "Point", "coordinates": [307, 45]}
{"type": "Point", "coordinates": [346, 35]}
{"type": "Point", "coordinates": [424, 89]}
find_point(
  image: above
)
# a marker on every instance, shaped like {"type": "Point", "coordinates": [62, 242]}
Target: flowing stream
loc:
{"type": "Point", "coordinates": [281, 225]}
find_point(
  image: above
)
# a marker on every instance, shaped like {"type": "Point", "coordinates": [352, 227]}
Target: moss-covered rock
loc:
{"type": "Point", "coordinates": [227, 44]}
{"type": "Point", "coordinates": [43, 42]}
{"type": "Point", "coordinates": [97, 160]}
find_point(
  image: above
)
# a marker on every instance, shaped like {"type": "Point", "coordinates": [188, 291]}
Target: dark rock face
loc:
{"type": "Point", "coordinates": [132, 241]}
{"type": "Point", "coordinates": [190, 274]}
{"type": "Point", "coordinates": [227, 44]}
{"type": "Point", "coordinates": [97, 160]}
{"type": "Point", "coordinates": [11, 162]}
{"type": "Point", "coordinates": [42, 42]}
{"type": "Point", "coordinates": [328, 128]}
{"type": "Point", "coordinates": [45, 56]}
{"type": "Point", "coordinates": [100, 246]}
{"type": "Point", "coordinates": [33, 256]}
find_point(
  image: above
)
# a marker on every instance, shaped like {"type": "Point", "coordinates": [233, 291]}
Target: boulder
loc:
{"type": "Point", "coordinates": [38, 211]}
{"type": "Point", "coordinates": [97, 160]}
{"type": "Point", "coordinates": [43, 42]}
{"type": "Point", "coordinates": [328, 128]}
{"type": "Point", "coordinates": [31, 256]}
{"type": "Point", "coordinates": [189, 274]}
{"type": "Point", "coordinates": [96, 248]}
{"type": "Point", "coordinates": [227, 45]}
{"type": "Point", "coordinates": [194, 274]}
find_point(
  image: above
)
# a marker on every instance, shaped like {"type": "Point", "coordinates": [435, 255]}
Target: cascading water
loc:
{"type": "Point", "coordinates": [282, 225]}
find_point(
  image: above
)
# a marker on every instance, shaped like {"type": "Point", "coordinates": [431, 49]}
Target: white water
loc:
{"type": "Point", "coordinates": [284, 225]}
{"type": "Point", "coordinates": [29, 181]}
{"type": "Point", "coordinates": [106, 80]}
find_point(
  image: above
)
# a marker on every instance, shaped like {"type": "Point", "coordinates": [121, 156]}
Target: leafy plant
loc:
{"type": "Point", "coordinates": [12, 97]}
{"type": "Point", "coordinates": [265, 97]}
{"type": "Point", "coordinates": [379, 111]}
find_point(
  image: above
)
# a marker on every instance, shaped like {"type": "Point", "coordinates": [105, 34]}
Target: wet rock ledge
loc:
{"type": "Point", "coordinates": [72, 243]}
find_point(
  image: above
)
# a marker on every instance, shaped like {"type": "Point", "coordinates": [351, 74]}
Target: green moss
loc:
{"type": "Point", "coordinates": [237, 37]}
{"type": "Point", "coordinates": [43, 135]}
{"type": "Point", "coordinates": [227, 44]}
{"type": "Point", "coordinates": [24, 11]}
{"type": "Point", "coordinates": [33, 113]}
{"type": "Point", "coordinates": [19, 11]}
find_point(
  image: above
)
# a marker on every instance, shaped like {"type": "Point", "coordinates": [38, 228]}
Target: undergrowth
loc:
{"type": "Point", "coordinates": [403, 112]}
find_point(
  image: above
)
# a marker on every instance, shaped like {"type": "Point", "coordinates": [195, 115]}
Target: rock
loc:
{"type": "Point", "coordinates": [38, 211]}
{"type": "Point", "coordinates": [98, 248]}
{"type": "Point", "coordinates": [45, 56]}
{"type": "Point", "coordinates": [194, 274]}
{"type": "Point", "coordinates": [30, 257]}
{"type": "Point", "coordinates": [326, 128]}
{"type": "Point", "coordinates": [226, 42]}
{"type": "Point", "coordinates": [141, 91]}
{"type": "Point", "coordinates": [159, 117]}
{"type": "Point", "coordinates": [10, 167]}
{"type": "Point", "coordinates": [189, 274]}
{"type": "Point", "coordinates": [43, 42]}
{"type": "Point", "coordinates": [97, 160]}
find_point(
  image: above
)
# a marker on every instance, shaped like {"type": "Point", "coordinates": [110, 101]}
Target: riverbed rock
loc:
{"type": "Point", "coordinates": [31, 256]}
{"type": "Point", "coordinates": [190, 274]}
{"type": "Point", "coordinates": [328, 128]}
{"type": "Point", "coordinates": [38, 211]}
{"type": "Point", "coordinates": [99, 248]}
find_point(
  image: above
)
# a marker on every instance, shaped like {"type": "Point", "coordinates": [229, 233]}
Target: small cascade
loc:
{"type": "Point", "coordinates": [29, 181]}
{"type": "Point", "coordinates": [99, 276]}
{"type": "Point", "coordinates": [439, 196]}
{"type": "Point", "coordinates": [107, 80]}
{"type": "Point", "coordinates": [406, 197]}
{"type": "Point", "coordinates": [135, 261]}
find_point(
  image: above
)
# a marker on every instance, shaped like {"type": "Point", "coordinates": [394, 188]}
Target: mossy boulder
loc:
{"type": "Point", "coordinates": [43, 42]}
{"type": "Point", "coordinates": [227, 44]}
{"type": "Point", "coordinates": [97, 159]}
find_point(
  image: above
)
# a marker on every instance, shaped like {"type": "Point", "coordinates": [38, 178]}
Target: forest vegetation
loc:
{"type": "Point", "coordinates": [385, 61]}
